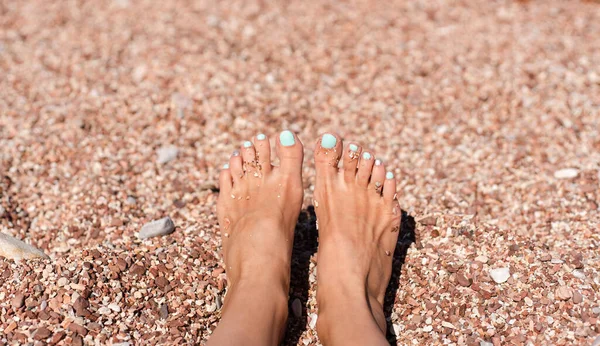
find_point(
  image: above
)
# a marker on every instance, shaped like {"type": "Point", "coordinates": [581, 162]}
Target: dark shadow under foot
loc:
{"type": "Point", "coordinates": [405, 239]}
{"type": "Point", "coordinates": [305, 245]}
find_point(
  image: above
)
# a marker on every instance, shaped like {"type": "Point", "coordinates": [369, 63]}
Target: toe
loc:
{"type": "Point", "coordinates": [377, 177]}
{"type": "Point", "coordinates": [235, 166]}
{"type": "Point", "coordinates": [263, 152]}
{"type": "Point", "coordinates": [389, 187]}
{"type": "Point", "coordinates": [225, 182]}
{"type": "Point", "coordinates": [365, 166]}
{"type": "Point", "coordinates": [248, 158]}
{"type": "Point", "coordinates": [351, 156]}
{"type": "Point", "coordinates": [328, 151]}
{"type": "Point", "coordinates": [290, 152]}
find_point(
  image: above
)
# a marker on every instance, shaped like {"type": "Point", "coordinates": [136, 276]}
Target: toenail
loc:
{"type": "Point", "coordinates": [366, 156]}
{"type": "Point", "coordinates": [377, 162]}
{"type": "Point", "coordinates": [226, 166]}
{"type": "Point", "coordinates": [286, 138]}
{"type": "Point", "coordinates": [389, 175]}
{"type": "Point", "coordinates": [328, 141]}
{"type": "Point", "coordinates": [247, 144]}
{"type": "Point", "coordinates": [236, 153]}
{"type": "Point", "coordinates": [261, 137]}
{"type": "Point", "coordinates": [353, 147]}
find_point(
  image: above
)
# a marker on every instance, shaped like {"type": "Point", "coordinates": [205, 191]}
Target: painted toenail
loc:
{"type": "Point", "coordinates": [286, 138]}
{"type": "Point", "coordinates": [377, 162]}
{"type": "Point", "coordinates": [261, 137]}
{"type": "Point", "coordinates": [226, 166]}
{"type": "Point", "coordinates": [236, 153]}
{"type": "Point", "coordinates": [328, 141]}
{"type": "Point", "coordinates": [247, 144]}
{"type": "Point", "coordinates": [366, 156]}
{"type": "Point", "coordinates": [353, 147]}
{"type": "Point", "coordinates": [389, 175]}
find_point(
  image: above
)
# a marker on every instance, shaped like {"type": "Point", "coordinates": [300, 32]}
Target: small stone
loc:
{"type": "Point", "coordinates": [42, 333]}
{"type": "Point", "coordinates": [130, 200]}
{"type": "Point", "coordinates": [313, 321]}
{"type": "Point", "coordinates": [463, 281]}
{"type": "Point", "coordinates": [596, 341]}
{"type": "Point", "coordinates": [557, 261]}
{"type": "Point", "coordinates": [428, 221]}
{"type": "Point", "coordinates": [448, 325]}
{"type": "Point", "coordinates": [161, 281]}
{"type": "Point", "coordinates": [18, 300]}
{"type": "Point", "coordinates": [76, 328]}
{"type": "Point", "coordinates": [427, 328]}
{"type": "Point", "coordinates": [579, 274]}
{"type": "Point", "coordinates": [211, 308]}
{"type": "Point", "coordinates": [157, 228]}
{"type": "Point", "coordinates": [114, 307]}
{"type": "Point", "coordinates": [577, 297]}
{"type": "Point", "coordinates": [166, 154]}
{"type": "Point", "coordinates": [104, 310]}
{"type": "Point", "coordinates": [545, 258]}
{"type": "Point", "coordinates": [485, 343]}
{"type": "Point", "coordinates": [482, 259]}
{"type": "Point", "coordinates": [500, 275]}
{"type": "Point", "coordinates": [163, 311]}
{"type": "Point", "coordinates": [567, 173]}
{"type": "Point", "coordinates": [63, 281]}
{"type": "Point", "coordinates": [563, 293]}
{"type": "Point", "coordinates": [13, 248]}
{"type": "Point", "coordinates": [297, 307]}
{"type": "Point", "coordinates": [125, 343]}
{"type": "Point", "coordinates": [528, 301]}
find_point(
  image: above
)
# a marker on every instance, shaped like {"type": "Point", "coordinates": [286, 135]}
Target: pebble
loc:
{"type": "Point", "coordinates": [157, 228]}
{"type": "Point", "coordinates": [166, 154]}
{"type": "Point", "coordinates": [428, 328]}
{"type": "Point", "coordinates": [13, 248]}
{"type": "Point", "coordinates": [528, 301]}
{"type": "Point", "coordinates": [500, 275]}
{"type": "Point", "coordinates": [126, 343]}
{"type": "Point", "coordinates": [104, 310]}
{"type": "Point", "coordinates": [482, 259]}
{"type": "Point", "coordinates": [18, 300]}
{"type": "Point", "coordinates": [163, 312]}
{"type": "Point", "coordinates": [577, 297]}
{"type": "Point", "coordinates": [297, 307]}
{"type": "Point", "coordinates": [578, 274]}
{"type": "Point", "coordinates": [567, 173]}
{"type": "Point", "coordinates": [114, 307]}
{"type": "Point", "coordinates": [485, 343]}
{"type": "Point", "coordinates": [596, 341]}
{"type": "Point", "coordinates": [130, 200]}
{"type": "Point", "coordinates": [563, 293]}
{"type": "Point", "coordinates": [462, 280]}
{"type": "Point", "coordinates": [557, 261]}
{"type": "Point", "coordinates": [313, 321]}
{"type": "Point", "coordinates": [596, 310]}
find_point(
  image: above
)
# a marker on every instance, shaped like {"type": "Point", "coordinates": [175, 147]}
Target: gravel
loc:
{"type": "Point", "coordinates": [474, 106]}
{"type": "Point", "coordinates": [500, 275]}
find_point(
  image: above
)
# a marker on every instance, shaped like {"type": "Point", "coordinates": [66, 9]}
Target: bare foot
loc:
{"type": "Point", "coordinates": [258, 208]}
{"type": "Point", "coordinates": [358, 218]}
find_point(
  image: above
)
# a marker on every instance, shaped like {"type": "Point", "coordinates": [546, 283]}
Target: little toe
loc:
{"type": "Point", "coordinates": [365, 167]}
{"type": "Point", "coordinates": [351, 158]}
{"type": "Point", "coordinates": [263, 152]}
{"type": "Point", "coordinates": [235, 166]}
{"type": "Point", "coordinates": [328, 151]}
{"type": "Point", "coordinates": [290, 152]}
{"type": "Point", "coordinates": [389, 187]}
{"type": "Point", "coordinates": [377, 177]}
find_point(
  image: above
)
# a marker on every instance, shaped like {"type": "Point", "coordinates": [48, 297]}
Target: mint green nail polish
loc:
{"type": "Point", "coordinates": [261, 137]}
{"type": "Point", "coordinates": [389, 175]}
{"type": "Point", "coordinates": [247, 144]}
{"type": "Point", "coordinates": [225, 166]}
{"type": "Point", "coordinates": [353, 147]}
{"type": "Point", "coordinates": [366, 156]}
{"type": "Point", "coordinates": [286, 138]}
{"type": "Point", "coordinates": [328, 141]}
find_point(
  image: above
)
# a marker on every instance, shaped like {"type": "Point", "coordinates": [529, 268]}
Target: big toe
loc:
{"type": "Point", "coordinates": [328, 151]}
{"type": "Point", "coordinates": [290, 152]}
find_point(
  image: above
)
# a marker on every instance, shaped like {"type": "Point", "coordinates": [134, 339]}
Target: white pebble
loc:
{"type": "Point", "coordinates": [166, 154]}
{"type": "Point", "coordinates": [485, 343]}
{"type": "Point", "coordinates": [567, 173]}
{"type": "Point", "coordinates": [156, 228]}
{"type": "Point", "coordinates": [500, 275]}
{"type": "Point", "coordinates": [313, 321]}
{"type": "Point", "coordinates": [17, 250]}
{"type": "Point", "coordinates": [427, 328]}
{"type": "Point", "coordinates": [114, 307]}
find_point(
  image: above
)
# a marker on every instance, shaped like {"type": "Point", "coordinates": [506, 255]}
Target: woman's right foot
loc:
{"type": "Point", "coordinates": [358, 220]}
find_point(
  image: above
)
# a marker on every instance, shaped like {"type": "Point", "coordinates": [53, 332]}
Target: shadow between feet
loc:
{"type": "Point", "coordinates": [305, 245]}
{"type": "Point", "coordinates": [405, 239]}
